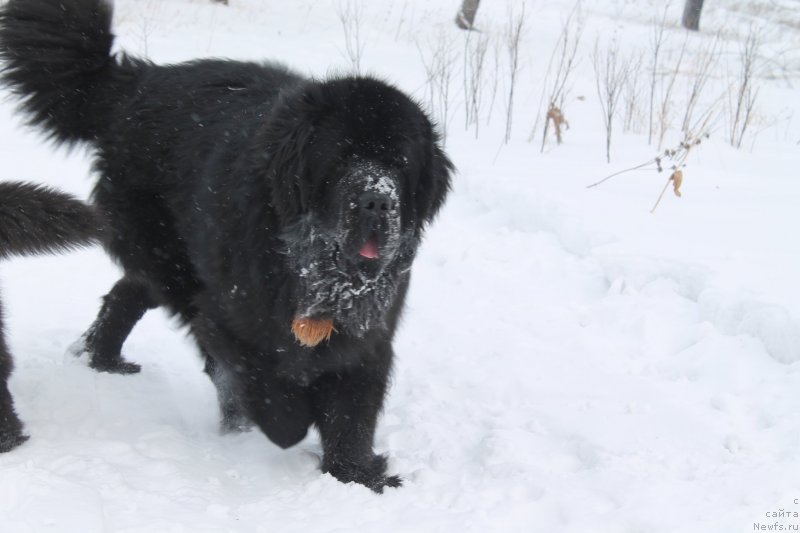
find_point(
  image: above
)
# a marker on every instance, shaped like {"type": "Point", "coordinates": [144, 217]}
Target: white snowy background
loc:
{"type": "Point", "coordinates": [568, 362]}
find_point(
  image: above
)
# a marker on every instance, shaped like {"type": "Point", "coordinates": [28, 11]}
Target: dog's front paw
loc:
{"type": "Point", "coordinates": [11, 436]}
{"type": "Point", "coordinates": [112, 363]}
{"type": "Point", "coordinates": [114, 366]}
{"type": "Point", "coordinates": [370, 472]}
{"type": "Point", "coordinates": [235, 423]}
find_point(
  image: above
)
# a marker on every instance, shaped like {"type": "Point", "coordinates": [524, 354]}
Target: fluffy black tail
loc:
{"type": "Point", "coordinates": [35, 219]}
{"type": "Point", "coordinates": [56, 57]}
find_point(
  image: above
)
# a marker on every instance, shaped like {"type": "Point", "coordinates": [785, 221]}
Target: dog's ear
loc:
{"type": "Point", "coordinates": [435, 180]}
{"type": "Point", "coordinates": [286, 137]}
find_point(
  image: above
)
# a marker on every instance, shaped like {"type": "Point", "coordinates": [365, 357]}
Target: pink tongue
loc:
{"type": "Point", "coordinates": [369, 250]}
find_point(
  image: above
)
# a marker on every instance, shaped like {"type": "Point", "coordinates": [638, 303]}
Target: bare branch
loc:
{"type": "Point", "coordinates": [514, 33]}
{"type": "Point", "coordinates": [349, 13]}
{"type": "Point", "coordinates": [656, 42]}
{"type": "Point", "coordinates": [611, 72]}
{"type": "Point", "coordinates": [632, 93]}
{"type": "Point", "coordinates": [746, 93]}
{"type": "Point", "coordinates": [476, 46]}
{"type": "Point", "coordinates": [665, 108]}
{"type": "Point", "coordinates": [704, 66]}
{"type": "Point", "coordinates": [566, 51]}
{"type": "Point", "coordinates": [439, 71]}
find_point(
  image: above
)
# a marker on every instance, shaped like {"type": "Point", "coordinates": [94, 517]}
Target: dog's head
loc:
{"type": "Point", "coordinates": [355, 173]}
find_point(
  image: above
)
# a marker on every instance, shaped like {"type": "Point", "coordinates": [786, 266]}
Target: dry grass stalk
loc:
{"type": "Point", "coordinates": [514, 34]}
{"type": "Point", "coordinates": [656, 42]}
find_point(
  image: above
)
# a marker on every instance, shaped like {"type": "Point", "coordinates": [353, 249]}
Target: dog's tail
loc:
{"type": "Point", "coordinates": [57, 58]}
{"type": "Point", "coordinates": [36, 219]}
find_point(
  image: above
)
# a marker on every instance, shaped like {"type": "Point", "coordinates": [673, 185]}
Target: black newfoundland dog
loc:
{"type": "Point", "coordinates": [277, 215]}
{"type": "Point", "coordinates": [35, 220]}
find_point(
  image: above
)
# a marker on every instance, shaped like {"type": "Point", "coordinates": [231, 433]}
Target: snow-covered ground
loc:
{"type": "Point", "coordinates": [568, 362]}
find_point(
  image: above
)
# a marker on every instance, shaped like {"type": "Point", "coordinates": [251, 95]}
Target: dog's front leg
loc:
{"type": "Point", "coordinates": [11, 434]}
{"type": "Point", "coordinates": [346, 408]}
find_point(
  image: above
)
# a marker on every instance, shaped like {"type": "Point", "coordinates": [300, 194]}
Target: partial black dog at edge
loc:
{"type": "Point", "coordinates": [35, 220]}
{"type": "Point", "coordinates": [251, 202]}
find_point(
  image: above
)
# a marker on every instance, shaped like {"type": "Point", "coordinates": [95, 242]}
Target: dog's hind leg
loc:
{"type": "Point", "coordinates": [122, 308]}
{"type": "Point", "coordinates": [248, 388]}
{"type": "Point", "coordinates": [11, 434]}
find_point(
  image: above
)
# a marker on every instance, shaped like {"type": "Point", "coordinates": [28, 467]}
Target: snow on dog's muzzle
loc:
{"type": "Point", "coordinates": [375, 213]}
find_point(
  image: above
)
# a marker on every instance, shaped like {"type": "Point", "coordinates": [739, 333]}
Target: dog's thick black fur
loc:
{"type": "Point", "coordinates": [35, 220]}
{"type": "Point", "coordinates": [242, 196]}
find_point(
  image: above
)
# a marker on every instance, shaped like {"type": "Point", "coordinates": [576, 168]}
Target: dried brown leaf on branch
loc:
{"type": "Point", "coordinates": [677, 181]}
{"type": "Point", "coordinates": [676, 178]}
{"type": "Point", "coordinates": [555, 116]}
{"type": "Point", "coordinates": [671, 158]}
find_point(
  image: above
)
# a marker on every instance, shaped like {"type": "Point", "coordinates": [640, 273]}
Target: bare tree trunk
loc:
{"type": "Point", "coordinates": [691, 14]}
{"type": "Point", "coordinates": [466, 15]}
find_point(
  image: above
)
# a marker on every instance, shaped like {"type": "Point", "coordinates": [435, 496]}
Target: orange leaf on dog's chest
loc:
{"type": "Point", "coordinates": [312, 331]}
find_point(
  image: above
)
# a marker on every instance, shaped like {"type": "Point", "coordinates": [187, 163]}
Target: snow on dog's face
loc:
{"type": "Point", "coordinates": [365, 209]}
{"type": "Point", "coordinates": [351, 255]}
{"type": "Point", "coordinates": [355, 174]}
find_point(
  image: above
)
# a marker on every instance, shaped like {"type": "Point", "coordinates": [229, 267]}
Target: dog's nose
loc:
{"type": "Point", "coordinates": [375, 203]}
